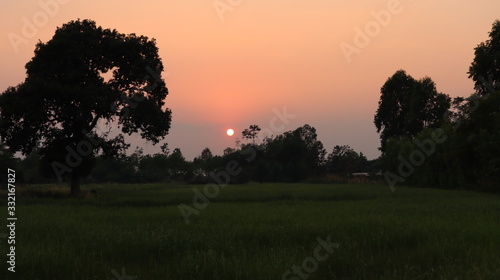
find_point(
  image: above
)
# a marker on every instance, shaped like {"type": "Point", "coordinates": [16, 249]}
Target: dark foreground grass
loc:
{"type": "Point", "coordinates": [256, 231]}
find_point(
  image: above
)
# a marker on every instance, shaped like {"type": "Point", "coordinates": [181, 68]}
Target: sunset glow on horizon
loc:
{"type": "Point", "coordinates": [240, 66]}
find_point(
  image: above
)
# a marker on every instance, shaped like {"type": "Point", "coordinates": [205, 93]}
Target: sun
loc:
{"type": "Point", "coordinates": [230, 132]}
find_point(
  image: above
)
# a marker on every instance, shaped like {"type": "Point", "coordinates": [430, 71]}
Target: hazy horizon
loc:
{"type": "Point", "coordinates": [232, 69]}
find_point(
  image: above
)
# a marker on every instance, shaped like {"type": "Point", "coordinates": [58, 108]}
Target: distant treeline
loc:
{"type": "Point", "coordinates": [294, 156]}
{"type": "Point", "coordinates": [427, 138]}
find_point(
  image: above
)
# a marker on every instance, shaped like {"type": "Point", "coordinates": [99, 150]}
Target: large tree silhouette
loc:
{"type": "Point", "coordinates": [65, 96]}
{"type": "Point", "coordinates": [407, 106]}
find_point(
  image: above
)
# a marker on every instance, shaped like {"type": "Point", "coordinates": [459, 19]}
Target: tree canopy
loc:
{"type": "Point", "coordinates": [485, 69]}
{"type": "Point", "coordinates": [65, 96]}
{"type": "Point", "coordinates": [251, 133]}
{"type": "Point", "coordinates": [407, 106]}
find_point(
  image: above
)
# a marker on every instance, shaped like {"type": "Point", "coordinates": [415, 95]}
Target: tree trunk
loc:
{"type": "Point", "coordinates": [75, 183]}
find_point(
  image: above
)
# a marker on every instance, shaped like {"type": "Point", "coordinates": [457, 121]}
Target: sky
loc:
{"type": "Point", "coordinates": [278, 64]}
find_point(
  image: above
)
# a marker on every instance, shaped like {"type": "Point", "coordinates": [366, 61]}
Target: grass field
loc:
{"type": "Point", "coordinates": [255, 231]}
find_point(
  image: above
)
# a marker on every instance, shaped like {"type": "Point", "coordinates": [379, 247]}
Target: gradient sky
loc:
{"type": "Point", "coordinates": [232, 69]}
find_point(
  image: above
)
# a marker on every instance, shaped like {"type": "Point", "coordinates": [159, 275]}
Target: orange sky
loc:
{"type": "Point", "coordinates": [232, 68]}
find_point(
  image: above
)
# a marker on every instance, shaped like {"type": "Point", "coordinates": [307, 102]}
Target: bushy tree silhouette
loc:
{"type": "Point", "coordinates": [65, 96]}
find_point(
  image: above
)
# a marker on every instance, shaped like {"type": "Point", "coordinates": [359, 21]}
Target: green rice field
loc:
{"type": "Point", "coordinates": [254, 231]}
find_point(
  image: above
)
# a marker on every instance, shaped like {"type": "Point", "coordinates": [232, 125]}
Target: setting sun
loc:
{"type": "Point", "coordinates": [359, 125]}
